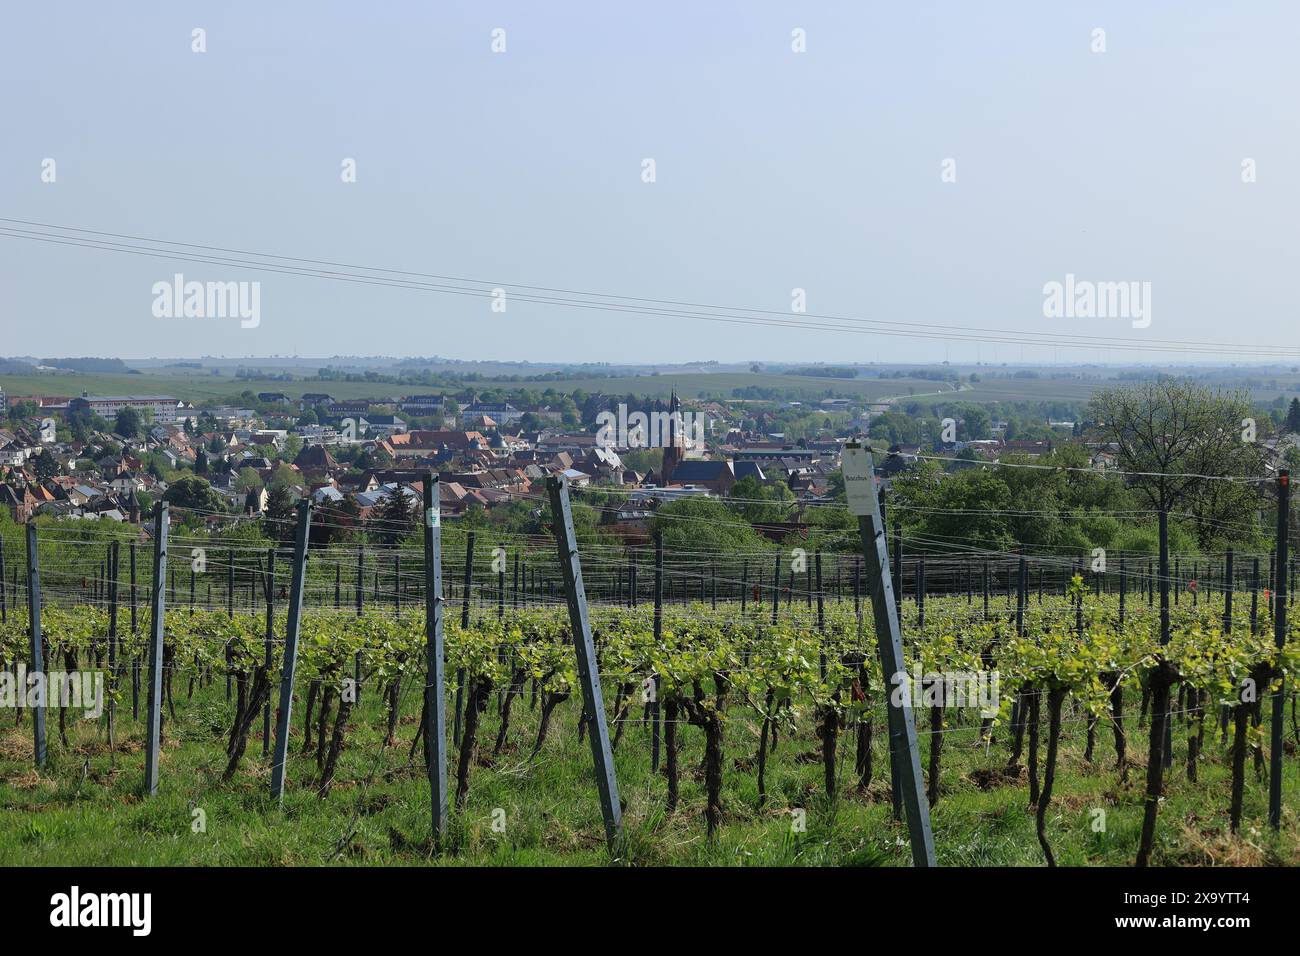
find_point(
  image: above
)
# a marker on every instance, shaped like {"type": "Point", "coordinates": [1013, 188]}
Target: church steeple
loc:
{"type": "Point", "coordinates": [673, 453]}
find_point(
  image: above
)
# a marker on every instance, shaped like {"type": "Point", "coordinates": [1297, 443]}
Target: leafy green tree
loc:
{"type": "Point", "coordinates": [45, 465]}
{"type": "Point", "coordinates": [248, 480]}
{"type": "Point", "coordinates": [705, 524]}
{"type": "Point", "coordinates": [758, 503]}
{"type": "Point", "coordinates": [193, 493]}
{"type": "Point", "coordinates": [128, 423]}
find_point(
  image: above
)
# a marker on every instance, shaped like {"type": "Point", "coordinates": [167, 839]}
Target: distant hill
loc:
{"type": "Point", "coordinates": [113, 366]}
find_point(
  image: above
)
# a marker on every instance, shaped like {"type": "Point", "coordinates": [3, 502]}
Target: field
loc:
{"type": "Point", "coordinates": [199, 384]}
{"type": "Point", "coordinates": [998, 385]}
{"type": "Point", "coordinates": [728, 680]}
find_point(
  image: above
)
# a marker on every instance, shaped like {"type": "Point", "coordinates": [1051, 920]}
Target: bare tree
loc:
{"type": "Point", "coordinates": [1181, 445]}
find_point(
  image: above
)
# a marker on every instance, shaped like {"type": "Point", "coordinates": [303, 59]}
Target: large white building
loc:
{"type": "Point", "coordinates": [163, 408]}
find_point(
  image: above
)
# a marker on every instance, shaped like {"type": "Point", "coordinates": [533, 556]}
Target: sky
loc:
{"type": "Point", "coordinates": [829, 170]}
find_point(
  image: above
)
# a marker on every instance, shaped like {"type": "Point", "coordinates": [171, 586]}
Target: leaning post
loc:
{"type": "Point", "coordinates": [860, 489]}
{"type": "Point", "coordinates": [588, 674]}
{"type": "Point", "coordinates": [290, 664]}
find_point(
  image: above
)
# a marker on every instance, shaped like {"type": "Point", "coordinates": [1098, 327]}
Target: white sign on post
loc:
{"type": "Point", "coordinates": [859, 480]}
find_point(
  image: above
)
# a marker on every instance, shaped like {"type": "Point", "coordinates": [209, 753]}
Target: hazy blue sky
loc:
{"type": "Point", "coordinates": [775, 170]}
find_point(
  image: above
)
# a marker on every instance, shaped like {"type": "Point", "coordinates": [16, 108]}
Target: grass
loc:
{"type": "Point", "coordinates": [85, 808]}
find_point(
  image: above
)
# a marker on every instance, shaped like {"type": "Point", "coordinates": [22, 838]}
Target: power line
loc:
{"type": "Point", "coordinates": [613, 302]}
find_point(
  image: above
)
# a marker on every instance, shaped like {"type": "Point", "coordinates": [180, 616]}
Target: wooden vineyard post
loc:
{"type": "Point", "coordinates": [588, 675]}
{"type": "Point", "coordinates": [435, 729]}
{"type": "Point", "coordinates": [158, 612]}
{"type": "Point", "coordinates": [290, 664]}
{"type": "Point", "coordinates": [38, 651]}
{"type": "Point", "coordinates": [860, 489]}
{"type": "Point", "coordinates": [1279, 640]}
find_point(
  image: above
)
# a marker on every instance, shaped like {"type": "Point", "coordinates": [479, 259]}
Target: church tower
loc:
{"type": "Point", "coordinates": [673, 451]}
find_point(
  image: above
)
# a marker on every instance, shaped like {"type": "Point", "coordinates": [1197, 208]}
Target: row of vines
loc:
{"type": "Point", "coordinates": [1070, 663]}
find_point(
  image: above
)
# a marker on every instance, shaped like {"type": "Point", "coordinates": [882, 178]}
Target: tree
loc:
{"type": "Point", "coordinates": [761, 503]}
{"type": "Point", "coordinates": [705, 524]}
{"type": "Point", "coordinates": [284, 476]}
{"type": "Point", "coordinates": [128, 423]}
{"type": "Point", "coordinates": [194, 494]}
{"type": "Point", "coordinates": [394, 517]}
{"type": "Point", "coordinates": [278, 516]}
{"type": "Point", "coordinates": [1292, 424]}
{"type": "Point", "coordinates": [1181, 445]}
{"type": "Point", "coordinates": [201, 463]}
{"type": "Point", "coordinates": [248, 480]}
{"type": "Point", "coordinates": [335, 521]}
{"type": "Point", "coordinates": [46, 466]}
